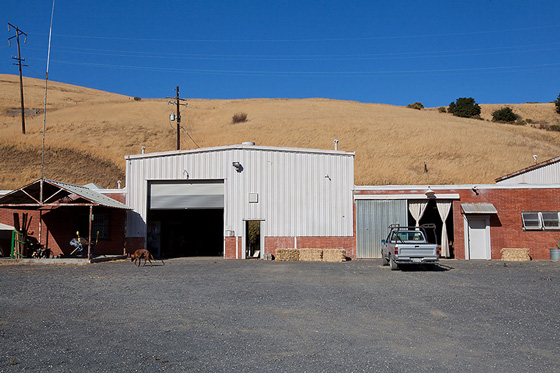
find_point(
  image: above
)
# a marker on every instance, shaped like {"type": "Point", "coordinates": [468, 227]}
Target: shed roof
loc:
{"type": "Point", "coordinates": [55, 194]}
{"type": "Point", "coordinates": [5, 227]}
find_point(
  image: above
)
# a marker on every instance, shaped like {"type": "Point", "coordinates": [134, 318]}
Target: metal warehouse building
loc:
{"type": "Point", "coordinates": [240, 201]}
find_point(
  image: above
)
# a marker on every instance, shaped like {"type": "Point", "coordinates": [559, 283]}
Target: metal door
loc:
{"type": "Point", "coordinates": [372, 219]}
{"type": "Point", "coordinates": [478, 237]}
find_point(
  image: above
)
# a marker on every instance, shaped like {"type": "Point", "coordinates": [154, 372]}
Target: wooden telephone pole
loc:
{"type": "Point", "coordinates": [19, 60]}
{"type": "Point", "coordinates": [178, 117]}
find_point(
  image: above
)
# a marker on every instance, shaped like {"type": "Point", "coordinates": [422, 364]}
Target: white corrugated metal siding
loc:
{"type": "Point", "coordinates": [301, 192]}
{"type": "Point", "coordinates": [547, 174]}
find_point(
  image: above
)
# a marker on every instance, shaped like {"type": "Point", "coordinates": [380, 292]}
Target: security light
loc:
{"type": "Point", "coordinates": [430, 193]}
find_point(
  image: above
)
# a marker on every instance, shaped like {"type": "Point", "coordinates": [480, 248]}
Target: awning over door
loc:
{"type": "Point", "coordinates": [177, 195]}
{"type": "Point", "coordinates": [478, 208]}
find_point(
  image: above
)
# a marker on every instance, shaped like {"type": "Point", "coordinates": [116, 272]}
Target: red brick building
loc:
{"type": "Point", "coordinates": [482, 220]}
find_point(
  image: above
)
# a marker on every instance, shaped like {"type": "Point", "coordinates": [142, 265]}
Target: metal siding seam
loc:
{"type": "Point", "coordinates": [300, 191]}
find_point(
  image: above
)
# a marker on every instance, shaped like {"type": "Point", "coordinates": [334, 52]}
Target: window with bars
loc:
{"type": "Point", "coordinates": [100, 224]}
{"type": "Point", "coordinates": [540, 220]}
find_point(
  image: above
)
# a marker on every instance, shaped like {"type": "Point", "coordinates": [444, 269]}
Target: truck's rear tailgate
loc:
{"type": "Point", "coordinates": [416, 251]}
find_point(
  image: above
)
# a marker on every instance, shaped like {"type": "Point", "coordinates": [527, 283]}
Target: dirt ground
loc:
{"type": "Point", "coordinates": [206, 314]}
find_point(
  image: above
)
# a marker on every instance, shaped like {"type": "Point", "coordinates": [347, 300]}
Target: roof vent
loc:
{"type": "Point", "coordinates": [250, 143]}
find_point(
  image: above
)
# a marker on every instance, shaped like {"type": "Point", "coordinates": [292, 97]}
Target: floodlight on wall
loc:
{"type": "Point", "coordinates": [430, 193]}
{"type": "Point", "coordinates": [237, 166]}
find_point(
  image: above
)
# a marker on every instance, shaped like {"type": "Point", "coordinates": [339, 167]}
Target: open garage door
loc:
{"type": "Point", "coordinates": [176, 195]}
{"type": "Point", "coordinates": [186, 218]}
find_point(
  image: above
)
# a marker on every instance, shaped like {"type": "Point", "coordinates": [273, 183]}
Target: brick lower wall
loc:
{"type": "Point", "coordinates": [274, 243]}
{"type": "Point", "coordinates": [347, 243]}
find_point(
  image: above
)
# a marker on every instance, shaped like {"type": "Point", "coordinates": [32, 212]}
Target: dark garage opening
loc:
{"type": "Point", "coordinates": [190, 232]}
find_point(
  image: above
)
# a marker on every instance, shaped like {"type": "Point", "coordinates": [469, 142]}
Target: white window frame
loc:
{"type": "Point", "coordinates": [557, 221]}
{"type": "Point", "coordinates": [541, 221]}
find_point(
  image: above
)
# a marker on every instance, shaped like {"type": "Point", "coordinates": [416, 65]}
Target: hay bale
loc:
{"type": "Point", "coordinates": [515, 255]}
{"type": "Point", "coordinates": [334, 255]}
{"type": "Point", "coordinates": [287, 255]}
{"type": "Point", "coordinates": [311, 255]}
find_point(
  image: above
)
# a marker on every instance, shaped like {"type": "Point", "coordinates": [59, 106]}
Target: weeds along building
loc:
{"type": "Point", "coordinates": [240, 201]}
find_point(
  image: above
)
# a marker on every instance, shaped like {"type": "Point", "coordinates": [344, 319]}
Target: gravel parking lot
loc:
{"type": "Point", "coordinates": [206, 314]}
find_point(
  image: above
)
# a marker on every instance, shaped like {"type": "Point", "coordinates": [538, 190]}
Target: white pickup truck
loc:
{"type": "Point", "coordinates": [408, 245]}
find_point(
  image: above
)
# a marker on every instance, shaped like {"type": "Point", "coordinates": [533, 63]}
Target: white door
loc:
{"type": "Point", "coordinates": [478, 237]}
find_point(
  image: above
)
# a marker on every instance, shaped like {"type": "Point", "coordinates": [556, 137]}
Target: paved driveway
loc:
{"type": "Point", "coordinates": [229, 315]}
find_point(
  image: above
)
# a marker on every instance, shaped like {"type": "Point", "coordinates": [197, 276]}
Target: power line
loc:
{"type": "Point", "coordinates": [189, 135]}
{"type": "Point", "coordinates": [416, 36]}
{"type": "Point", "coordinates": [315, 73]}
{"type": "Point", "coordinates": [319, 57]}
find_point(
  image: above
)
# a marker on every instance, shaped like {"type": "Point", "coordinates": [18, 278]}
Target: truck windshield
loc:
{"type": "Point", "coordinates": [413, 236]}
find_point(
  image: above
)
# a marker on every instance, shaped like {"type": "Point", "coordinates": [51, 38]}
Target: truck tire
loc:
{"type": "Point", "coordinates": [394, 264]}
{"type": "Point", "coordinates": [384, 260]}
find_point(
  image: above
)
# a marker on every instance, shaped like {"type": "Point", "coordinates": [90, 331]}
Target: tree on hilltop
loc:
{"type": "Point", "coordinates": [464, 107]}
{"type": "Point", "coordinates": [504, 115]}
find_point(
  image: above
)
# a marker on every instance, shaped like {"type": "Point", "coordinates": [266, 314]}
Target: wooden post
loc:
{"type": "Point", "coordinates": [89, 237]}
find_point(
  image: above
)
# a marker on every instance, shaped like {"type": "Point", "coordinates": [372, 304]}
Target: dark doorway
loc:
{"type": "Point", "coordinates": [431, 216]}
{"type": "Point", "coordinates": [191, 232]}
{"type": "Point", "coordinates": [253, 239]}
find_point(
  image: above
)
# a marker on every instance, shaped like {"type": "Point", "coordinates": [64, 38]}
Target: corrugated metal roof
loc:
{"type": "Point", "coordinates": [89, 194]}
{"type": "Point", "coordinates": [54, 192]}
{"type": "Point", "coordinates": [5, 227]}
{"type": "Point", "coordinates": [478, 208]}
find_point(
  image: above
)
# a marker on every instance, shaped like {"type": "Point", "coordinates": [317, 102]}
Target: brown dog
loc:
{"type": "Point", "coordinates": [141, 254]}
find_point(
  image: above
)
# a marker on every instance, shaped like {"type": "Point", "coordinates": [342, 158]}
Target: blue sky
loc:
{"type": "Point", "coordinates": [393, 52]}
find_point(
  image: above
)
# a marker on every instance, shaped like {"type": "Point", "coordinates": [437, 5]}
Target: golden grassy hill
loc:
{"type": "Point", "coordinates": [89, 132]}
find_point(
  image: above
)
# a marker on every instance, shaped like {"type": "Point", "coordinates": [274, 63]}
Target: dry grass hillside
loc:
{"type": "Point", "coordinates": [88, 132]}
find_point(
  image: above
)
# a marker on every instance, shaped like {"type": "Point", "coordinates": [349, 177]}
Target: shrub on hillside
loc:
{"type": "Point", "coordinates": [554, 127]}
{"type": "Point", "coordinates": [442, 109]}
{"type": "Point", "coordinates": [239, 118]}
{"type": "Point", "coordinates": [416, 105]}
{"type": "Point", "coordinates": [557, 103]}
{"type": "Point", "coordinates": [505, 115]}
{"type": "Point", "coordinates": [464, 107]}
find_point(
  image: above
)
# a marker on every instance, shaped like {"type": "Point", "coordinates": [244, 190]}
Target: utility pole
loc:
{"type": "Point", "coordinates": [19, 59]}
{"type": "Point", "coordinates": [178, 117]}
